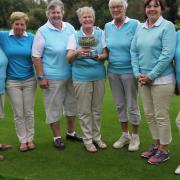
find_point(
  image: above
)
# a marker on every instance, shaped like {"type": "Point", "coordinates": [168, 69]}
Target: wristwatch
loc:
{"type": "Point", "coordinates": [41, 77]}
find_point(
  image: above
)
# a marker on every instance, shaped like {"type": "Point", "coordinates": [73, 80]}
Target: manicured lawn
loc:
{"type": "Point", "coordinates": [74, 163]}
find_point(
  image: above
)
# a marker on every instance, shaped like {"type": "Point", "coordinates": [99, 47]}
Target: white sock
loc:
{"type": "Point", "coordinates": [126, 134]}
{"type": "Point", "coordinates": [57, 137]}
{"type": "Point", "coordinates": [71, 134]}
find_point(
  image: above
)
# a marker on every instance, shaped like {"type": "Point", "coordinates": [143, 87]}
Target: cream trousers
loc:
{"type": "Point", "coordinates": [21, 94]}
{"type": "Point", "coordinates": [156, 102]}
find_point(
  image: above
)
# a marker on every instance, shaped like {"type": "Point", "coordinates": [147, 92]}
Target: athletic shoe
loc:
{"type": "Point", "coordinates": [150, 152]}
{"type": "Point", "coordinates": [159, 157]}
{"type": "Point", "coordinates": [76, 137]}
{"type": "Point", "coordinates": [177, 171]}
{"type": "Point", "coordinates": [121, 142]}
{"type": "Point", "coordinates": [134, 143]}
{"type": "Point", "coordinates": [58, 143]}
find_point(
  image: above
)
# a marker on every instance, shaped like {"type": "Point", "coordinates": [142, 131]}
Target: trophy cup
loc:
{"type": "Point", "coordinates": [89, 44]}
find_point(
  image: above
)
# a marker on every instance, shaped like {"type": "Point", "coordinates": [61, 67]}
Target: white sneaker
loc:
{"type": "Point", "coordinates": [121, 142]}
{"type": "Point", "coordinates": [134, 143]}
{"type": "Point", "coordinates": [177, 171]}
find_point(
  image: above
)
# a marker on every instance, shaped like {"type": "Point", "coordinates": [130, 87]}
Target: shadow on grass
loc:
{"type": "Point", "coordinates": [11, 178]}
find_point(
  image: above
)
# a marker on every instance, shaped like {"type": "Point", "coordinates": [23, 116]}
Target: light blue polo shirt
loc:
{"type": "Point", "coordinates": [18, 52]}
{"type": "Point", "coordinates": [3, 66]}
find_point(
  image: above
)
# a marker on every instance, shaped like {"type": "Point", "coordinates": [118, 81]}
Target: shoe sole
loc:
{"type": "Point", "coordinates": [145, 157]}
{"type": "Point", "coordinates": [155, 163]}
{"type": "Point", "coordinates": [121, 146]}
{"type": "Point", "coordinates": [59, 148]}
{"type": "Point", "coordinates": [133, 150]}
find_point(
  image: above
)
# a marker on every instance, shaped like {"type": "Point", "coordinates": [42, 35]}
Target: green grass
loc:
{"type": "Point", "coordinates": [74, 163]}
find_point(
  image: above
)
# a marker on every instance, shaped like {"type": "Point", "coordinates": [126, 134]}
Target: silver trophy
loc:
{"type": "Point", "coordinates": [89, 44]}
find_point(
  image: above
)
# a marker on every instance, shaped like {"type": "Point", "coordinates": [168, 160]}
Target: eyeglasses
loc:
{"type": "Point", "coordinates": [116, 7]}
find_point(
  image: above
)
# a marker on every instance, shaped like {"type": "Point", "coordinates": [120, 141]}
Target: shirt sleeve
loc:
{"type": "Point", "coordinates": [103, 40]}
{"type": "Point", "coordinates": [177, 58]}
{"type": "Point", "coordinates": [72, 44]}
{"type": "Point", "coordinates": [38, 45]}
{"type": "Point", "coordinates": [135, 56]}
{"type": "Point", "coordinates": [167, 53]}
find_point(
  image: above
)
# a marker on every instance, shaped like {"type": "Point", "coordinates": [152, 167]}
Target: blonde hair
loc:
{"type": "Point", "coordinates": [118, 2]}
{"type": "Point", "coordinates": [85, 10]}
{"type": "Point", "coordinates": [17, 16]}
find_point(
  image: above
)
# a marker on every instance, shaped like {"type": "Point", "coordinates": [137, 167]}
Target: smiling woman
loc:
{"type": "Point", "coordinates": [54, 72]}
{"type": "Point", "coordinates": [21, 83]}
{"type": "Point", "coordinates": [88, 73]}
{"type": "Point", "coordinates": [152, 53]}
{"type": "Point", "coordinates": [18, 23]}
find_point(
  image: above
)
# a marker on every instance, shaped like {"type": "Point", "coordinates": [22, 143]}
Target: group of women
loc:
{"type": "Point", "coordinates": [70, 71]}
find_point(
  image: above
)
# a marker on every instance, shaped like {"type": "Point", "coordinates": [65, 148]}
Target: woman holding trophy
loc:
{"type": "Point", "coordinates": [86, 52]}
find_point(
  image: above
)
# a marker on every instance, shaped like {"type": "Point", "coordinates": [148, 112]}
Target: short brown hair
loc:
{"type": "Point", "coordinates": [158, 2]}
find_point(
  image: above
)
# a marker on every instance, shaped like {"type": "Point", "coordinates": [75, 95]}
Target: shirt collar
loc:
{"type": "Point", "coordinates": [49, 25]}
{"type": "Point", "coordinates": [85, 34]}
{"type": "Point", "coordinates": [125, 21]}
{"type": "Point", "coordinates": [157, 23]}
{"type": "Point", "coordinates": [11, 33]}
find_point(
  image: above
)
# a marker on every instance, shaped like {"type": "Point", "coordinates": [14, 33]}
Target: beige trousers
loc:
{"type": "Point", "coordinates": [89, 99]}
{"type": "Point", "coordinates": [21, 94]}
{"type": "Point", "coordinates": [156, 102]}
{"type": "Point", "coordinates": [178, 121]}
{"type": "Point", "coordinates": [1, 106]}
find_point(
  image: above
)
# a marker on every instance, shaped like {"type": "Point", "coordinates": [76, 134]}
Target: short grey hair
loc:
{"type": "Point", "coordinates": [118, 2]}
{"type": "Point", "coordinates": [53, 4]}
{"type": "Point", "coordinates": [85, 10]}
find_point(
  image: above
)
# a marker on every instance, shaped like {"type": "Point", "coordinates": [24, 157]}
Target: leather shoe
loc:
{"type": "Point", "coordinates": [59, 144]}
{"type": "Point", "coordinates": [23, 147]}
{"type": "Point", "coordinates": [76, 137]}
{"type": "Point", "coordinates": [1, 158]}
{"type": "Point", "coordinates": [4, 147]}
{"type": "Point", "coordinates": [31, 145]}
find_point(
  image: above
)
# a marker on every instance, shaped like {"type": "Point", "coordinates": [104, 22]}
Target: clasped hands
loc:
{"type": "Point", "coordinates": [144, 80]}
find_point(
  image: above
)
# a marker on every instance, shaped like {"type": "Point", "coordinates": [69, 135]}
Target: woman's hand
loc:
{"type": "Point", "coordinates": [43, 84]}
{"type": "Point", "coordinates": [83, 52]}
{"type": "Point", "coordinates": [144, 80]}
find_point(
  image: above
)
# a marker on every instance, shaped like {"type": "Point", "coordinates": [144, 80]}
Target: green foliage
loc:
{"type": "Point", "coordinates": [36, 11]}
{"type": "Point", "coordinates": [177, 26]}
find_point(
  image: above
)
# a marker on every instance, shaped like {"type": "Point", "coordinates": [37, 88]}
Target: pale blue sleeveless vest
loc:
{"type": "Point", "coordinates": [88, 69]}
{"type": "Point", "coordinates": [55, 65]}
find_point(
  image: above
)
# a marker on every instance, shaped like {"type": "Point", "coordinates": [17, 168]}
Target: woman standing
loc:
{"type": "Point", "coordinates": [177, 61]}
{"type": "Point", "coordinates": [119, 33]}
{"type": "Point", "coordinates": [152, 52]}
{"type": "Point", "coordinates": [88, 73]}
{"type": "Point", "coordinates": [21, 83]}
{"type": "Point", "coordinates": [54, 72]}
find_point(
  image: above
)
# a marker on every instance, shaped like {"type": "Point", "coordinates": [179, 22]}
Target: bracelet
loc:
{"type": "Point", "coordinates": [41, 77]}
